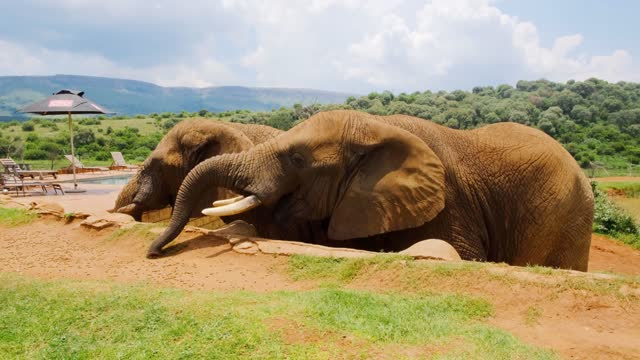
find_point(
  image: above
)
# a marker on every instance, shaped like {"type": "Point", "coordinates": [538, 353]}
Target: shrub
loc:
{"type": "Point", "coordinates": [89, 121]}
{"type": "Point", "coordinates": [610, 219]}
{"type": "Point", "coordinates": [35, 154]}
{"type": "Point", "coordinates": [28, 126]}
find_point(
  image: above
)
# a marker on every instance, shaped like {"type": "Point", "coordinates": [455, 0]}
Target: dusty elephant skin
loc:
{"type": "Point", "coordinates": [504, 192]}
{"type": "Point", "coordinates": [186, 145]}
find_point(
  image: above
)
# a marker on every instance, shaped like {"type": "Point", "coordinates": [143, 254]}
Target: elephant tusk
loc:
{"type": "Point", "coordinates": [227, 201]}
{"type": "Point", "coordinates": [237, 207]}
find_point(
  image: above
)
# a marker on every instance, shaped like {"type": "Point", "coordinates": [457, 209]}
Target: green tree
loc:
{"type": "Point", "coordinates": [28, 126]}
{"type": "Point", "coordinates": [52, 150]}
{"type": "Point", "coordinates": [581, 114]}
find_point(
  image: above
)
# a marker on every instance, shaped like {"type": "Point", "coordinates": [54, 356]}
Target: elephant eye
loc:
{"type": "Point", "coordinates": [298, 160]}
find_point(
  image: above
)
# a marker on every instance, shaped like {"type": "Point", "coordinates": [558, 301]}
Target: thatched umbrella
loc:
{"type": "Point", "coordinates": [66, 102]}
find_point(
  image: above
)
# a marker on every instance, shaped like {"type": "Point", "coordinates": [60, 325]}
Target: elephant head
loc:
{"type": "Point", "coordinates": [189, 143]}
{"type": "Point", "coordinates": [362, 176]}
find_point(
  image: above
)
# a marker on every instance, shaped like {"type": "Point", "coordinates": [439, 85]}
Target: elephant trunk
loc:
{"type": "Point", "coordinates": [220, 171]}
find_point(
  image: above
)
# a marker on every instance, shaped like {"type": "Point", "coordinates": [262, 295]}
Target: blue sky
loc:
{"type": "Point", "coordinates": [343, 45]}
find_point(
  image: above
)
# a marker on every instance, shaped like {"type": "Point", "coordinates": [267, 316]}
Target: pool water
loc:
{"type": "Point", "coordinates": [115, 180]}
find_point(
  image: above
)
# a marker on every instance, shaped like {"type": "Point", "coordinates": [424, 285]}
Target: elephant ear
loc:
{"type": "Point", "coordinates": [398, 184]}
{"type": "Point", "coordinates": [209, 139]}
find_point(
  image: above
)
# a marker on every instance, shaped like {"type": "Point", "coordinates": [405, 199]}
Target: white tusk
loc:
{"type": "Point", "coordinates": [227, 201]}
{"type": "Point", "coordinates": [237, 207]}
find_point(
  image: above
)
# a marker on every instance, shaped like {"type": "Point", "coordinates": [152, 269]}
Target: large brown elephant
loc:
{"type": "Point", "coordinates": [190, 142]}
{"type": "Point", "coordinates": [504, 192]}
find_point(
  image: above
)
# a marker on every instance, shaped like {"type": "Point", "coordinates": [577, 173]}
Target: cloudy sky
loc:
{"type": "Point", "coordinates": [343, 45]}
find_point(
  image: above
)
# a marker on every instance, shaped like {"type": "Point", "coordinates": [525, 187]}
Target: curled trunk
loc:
{"type": "Point", "coordinates": [220, 171]}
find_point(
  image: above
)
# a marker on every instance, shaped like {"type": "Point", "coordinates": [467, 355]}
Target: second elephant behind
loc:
{"type": "Point", "coordinates": [186, 145]}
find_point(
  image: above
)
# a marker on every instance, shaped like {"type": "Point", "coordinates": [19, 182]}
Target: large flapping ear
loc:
{"type": "Point", "coordinates": [398, 184]}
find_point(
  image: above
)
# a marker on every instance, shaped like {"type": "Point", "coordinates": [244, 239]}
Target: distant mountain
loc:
{"type": "Point", "coordinates": [130, 97]}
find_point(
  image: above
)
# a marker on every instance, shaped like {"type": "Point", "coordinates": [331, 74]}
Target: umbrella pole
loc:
{"type": "Point", "coordinates": [73, 155]}
{"type": "Point", "coordinates": [73, 163]}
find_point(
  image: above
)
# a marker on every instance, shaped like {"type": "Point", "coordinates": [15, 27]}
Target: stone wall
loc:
{"type": "Point", "coordinates": [164, 215]}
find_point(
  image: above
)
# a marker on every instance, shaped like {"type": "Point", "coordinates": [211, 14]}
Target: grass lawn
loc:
{"type": "Point", "coordinates": [630, 188]}
{"type": "Point", "coordinates": [87, 320]}
{"type": "Point", "coordinates": [63, 162]}
{"type": "Point", "coordinates": [631, 205]}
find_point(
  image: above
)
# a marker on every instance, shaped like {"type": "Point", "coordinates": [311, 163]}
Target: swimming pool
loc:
{"type": "Point", "coordinates": [114, 180]}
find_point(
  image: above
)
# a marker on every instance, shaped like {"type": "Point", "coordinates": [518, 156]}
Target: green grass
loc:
{"type": "Point", "coordinates": [339, 271]}
{"type": "Point", "coordinates": [630, 188]}
{"type": "Point", "coordinates": [87, 320]}
{"type": "Point", "coordinates": [16, 217]}
{"type": "Point", "coordinates": [146, 126]}
{"type": "Point", "coordinates": [138, 231]}
{"type": "Point", "coordinates": [532, 315]}
{"type": "Point", "coordinates": [416, 277]}
{"type": "Point", "coordinates": [611, 172]}
{"type": "Point", "coordinates": [63, 163]}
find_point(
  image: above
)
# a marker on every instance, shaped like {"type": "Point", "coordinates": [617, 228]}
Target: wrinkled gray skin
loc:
{"type": "Point", "coordinates": [504, 192]}
{"type": "Point", "coordinates": [190, 142]}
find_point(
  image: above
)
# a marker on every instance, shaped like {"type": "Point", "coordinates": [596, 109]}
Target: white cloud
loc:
{"type": "Point", "coordinates": [349, 45]}
{"type": "Point", "coordinates": [454, 34]}
{"type": "Point", "coordinates": [16, 59]}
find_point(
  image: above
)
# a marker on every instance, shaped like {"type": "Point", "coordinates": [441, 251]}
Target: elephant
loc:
{"type": "Point", "coordinates": [504, 192]}
{"type": "Point", "coordinates": [188, 143]}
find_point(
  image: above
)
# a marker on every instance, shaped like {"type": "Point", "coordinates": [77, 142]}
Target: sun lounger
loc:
{"type": "Point", "coordinates": [10, 183]}
{"type": "Point", "coordinates": [11, 167]}
{"type": "Point", "coordinates": [80, 168]}
{"type": "Point", "coordinates": [119, 163]}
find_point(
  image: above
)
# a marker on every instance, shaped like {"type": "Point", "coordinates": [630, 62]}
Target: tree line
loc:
{"type": "Point", "coordinates": [597, 122]}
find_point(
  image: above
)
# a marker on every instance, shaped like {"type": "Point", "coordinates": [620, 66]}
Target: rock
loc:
{"type": "Point", "coordinates": [432, 249]}
{"type": "Point", "coordinates": [119, 218]}
{"type": "Point", "coordinates": [102, 222]}
{"type": "Point", "coordinates": [96, 222]}
{"type": "Point", "coordinates": [282, 247]}
{"type": "Point", "coordinates": [246, 247]}
{"type": "Point", "coordinates": [427, 249]}
{"type": "Point", "coordinates": [47, 208]}
{"type": "Point", "coordinates": [80, 215]}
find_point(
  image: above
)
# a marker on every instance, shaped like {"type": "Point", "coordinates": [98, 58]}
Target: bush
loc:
{"type": "Point", "coordinates": [35, 154]}
{"type": "Point", "coordinates": [89, 121]}
{"type": "Point", "coordinates": [28, 126]}
{"type": "Point", "coordinates": [610, 219]}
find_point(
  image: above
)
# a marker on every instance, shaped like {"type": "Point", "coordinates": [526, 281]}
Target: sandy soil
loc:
{"type": "Point", "coordinates": [617, 179]}
{"type": "Point", "coordinates": [607, 255]}
{"type": "Point", "coordinates": [578, 326]}
{"type": "Point", "coordinates": [51, 250]}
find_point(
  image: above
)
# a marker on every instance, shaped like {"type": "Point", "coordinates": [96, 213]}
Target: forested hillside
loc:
{"type": "Point", "coordinates": [598, 122]}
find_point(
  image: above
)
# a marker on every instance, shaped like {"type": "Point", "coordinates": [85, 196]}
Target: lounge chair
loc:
{"type": "Point", "coordinates": [11, 167]}
{"type": "Point", "coordinates": [119, 163]}
{"type": "Point", "coordinates": [80, 168]}
{"type": "Point", "coordinates": [11, 182]}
